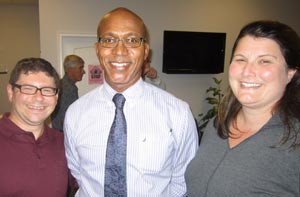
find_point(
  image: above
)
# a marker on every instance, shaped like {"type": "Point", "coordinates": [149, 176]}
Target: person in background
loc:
{"type": "Point", "coordinates": [33, 156]}
{"type": "Point", "coordinates": [150, 74]}
{"type": "Point", "coordinates": [252, 149]}
{"type": "Point", "coordinates": [161, 131]}
{"type": "Point", "coordinates": [74, 71]}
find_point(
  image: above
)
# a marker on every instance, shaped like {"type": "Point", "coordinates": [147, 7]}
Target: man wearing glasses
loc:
{"type": "Point", "coordinates": [32, 155]}
{"type": "Point", "coordinates": [127, 137]}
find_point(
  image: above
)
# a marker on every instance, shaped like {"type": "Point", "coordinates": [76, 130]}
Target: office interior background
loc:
{"type": "Point", "coordinates": [40, 28]}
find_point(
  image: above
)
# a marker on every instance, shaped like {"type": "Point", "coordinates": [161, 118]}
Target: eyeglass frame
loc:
{"type": "Point", "coordinates": [36, 89]}
{"type": "Point", "coordinates": [141, 39]}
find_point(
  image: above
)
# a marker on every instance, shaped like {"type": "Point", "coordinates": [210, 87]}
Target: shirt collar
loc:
{"type": "Point", "coordinates": [132, 93]}
{"type": "Point", "coordinates": [11, 130]}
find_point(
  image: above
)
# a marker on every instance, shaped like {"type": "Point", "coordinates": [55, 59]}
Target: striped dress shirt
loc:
{"type": "Point", "coordinates": [161, 140]}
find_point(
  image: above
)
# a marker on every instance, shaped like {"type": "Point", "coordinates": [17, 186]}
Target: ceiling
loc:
{"type": "Point", "coordinates": [23, 2]}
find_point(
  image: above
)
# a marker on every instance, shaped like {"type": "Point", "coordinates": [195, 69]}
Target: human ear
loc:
{"type": "Point", "coordinates": [291, 73]}
{"type": "Point", "coordinates": [9, 90]}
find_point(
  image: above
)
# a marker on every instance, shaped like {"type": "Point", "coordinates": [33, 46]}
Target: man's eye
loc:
{"type": "Point", "coordinates": [28, 88]}
{"type": "Point", "coordinates": [132, 40]}
{"type": "Point", "coordinates": [264, 62]}
{"type": "Point", "coordinates": [109, 40]}
{"type": "Point", "coordinates": [48, 90]}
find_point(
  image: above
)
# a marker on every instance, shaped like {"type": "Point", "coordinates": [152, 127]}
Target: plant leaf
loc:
{"type": "Point", "coordinates": [217, 81]}
{"type": "Point", "coordinates": [212, 101]}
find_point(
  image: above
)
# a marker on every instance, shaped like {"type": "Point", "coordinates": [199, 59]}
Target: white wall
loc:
{"type": "Point", "coordinates": [19, 38]}
{"type": "Point", "coordinates": [82, 16]}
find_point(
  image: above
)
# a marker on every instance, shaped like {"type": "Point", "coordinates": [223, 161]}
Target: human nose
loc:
{"type": "Point", "coordinates": [248, 69]}
{"type": "Point", "coordinates": [38, 95]}
{"type": "Point", "coordinates": [120, 48]}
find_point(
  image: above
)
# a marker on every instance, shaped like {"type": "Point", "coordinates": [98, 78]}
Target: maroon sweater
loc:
{"type": "Point", "coordinates": [31, 168]}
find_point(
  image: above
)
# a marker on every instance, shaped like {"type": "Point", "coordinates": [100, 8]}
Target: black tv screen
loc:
{"type": "Point", "coordinates": [187, 52]}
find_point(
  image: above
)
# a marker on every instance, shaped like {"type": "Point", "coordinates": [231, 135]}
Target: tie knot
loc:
{"type": "Point", "coordinates": [119, 100]}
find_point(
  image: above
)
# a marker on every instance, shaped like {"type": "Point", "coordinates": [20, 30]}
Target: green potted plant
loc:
{"type": "Point", "coordinates": [214, 99]}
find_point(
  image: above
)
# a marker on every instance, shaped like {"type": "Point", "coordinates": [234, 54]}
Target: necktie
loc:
{"type": "Point", "coordinates": [115, 164]}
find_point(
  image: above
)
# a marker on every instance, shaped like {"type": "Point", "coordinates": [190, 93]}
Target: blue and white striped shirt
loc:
{"type": "Point", "coordinates": [161, 140]}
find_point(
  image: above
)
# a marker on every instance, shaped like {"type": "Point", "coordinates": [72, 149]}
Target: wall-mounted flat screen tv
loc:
{"type": "Point", "coordinates": [186, 52]}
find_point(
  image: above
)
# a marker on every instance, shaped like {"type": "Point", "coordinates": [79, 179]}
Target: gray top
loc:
{"type": "Point", "coordinates": [251, 168]}
{"type": "Point", "coordinates": [68, 94]}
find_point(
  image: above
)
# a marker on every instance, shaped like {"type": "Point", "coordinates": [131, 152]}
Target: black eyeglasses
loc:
{"type": "Point", "coordinates": [112, 42]}
{"type": "Point", "coordinates": [31, 90]}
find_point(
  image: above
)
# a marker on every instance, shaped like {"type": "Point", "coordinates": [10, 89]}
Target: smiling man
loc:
{"type": "Point", "coordinates": [143, 148]}
{"type": "Point", "coordinates": [33, 162]}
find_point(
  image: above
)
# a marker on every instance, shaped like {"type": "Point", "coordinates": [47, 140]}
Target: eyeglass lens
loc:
{"type": "Point", "coordinates": [31, 90]}
{"type": "Point", "coordinates": [111, 42]}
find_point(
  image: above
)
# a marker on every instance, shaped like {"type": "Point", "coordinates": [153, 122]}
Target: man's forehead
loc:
{"type": "Point", "coordinates": [30, 74]}
{"type": "Point", "coordinates": [121, 22]}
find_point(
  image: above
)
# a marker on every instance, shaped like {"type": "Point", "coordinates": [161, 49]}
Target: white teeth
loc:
{"type": "Point", "coordinates": [36, 107]}
{"type": "Point", "coordinates": [250, 84]}
{"type": "Point", "coordinates": [119, 64]}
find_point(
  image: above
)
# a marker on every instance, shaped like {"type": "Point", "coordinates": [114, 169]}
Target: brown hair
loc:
{"type": "Point", "coordinates": [26, 65]}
